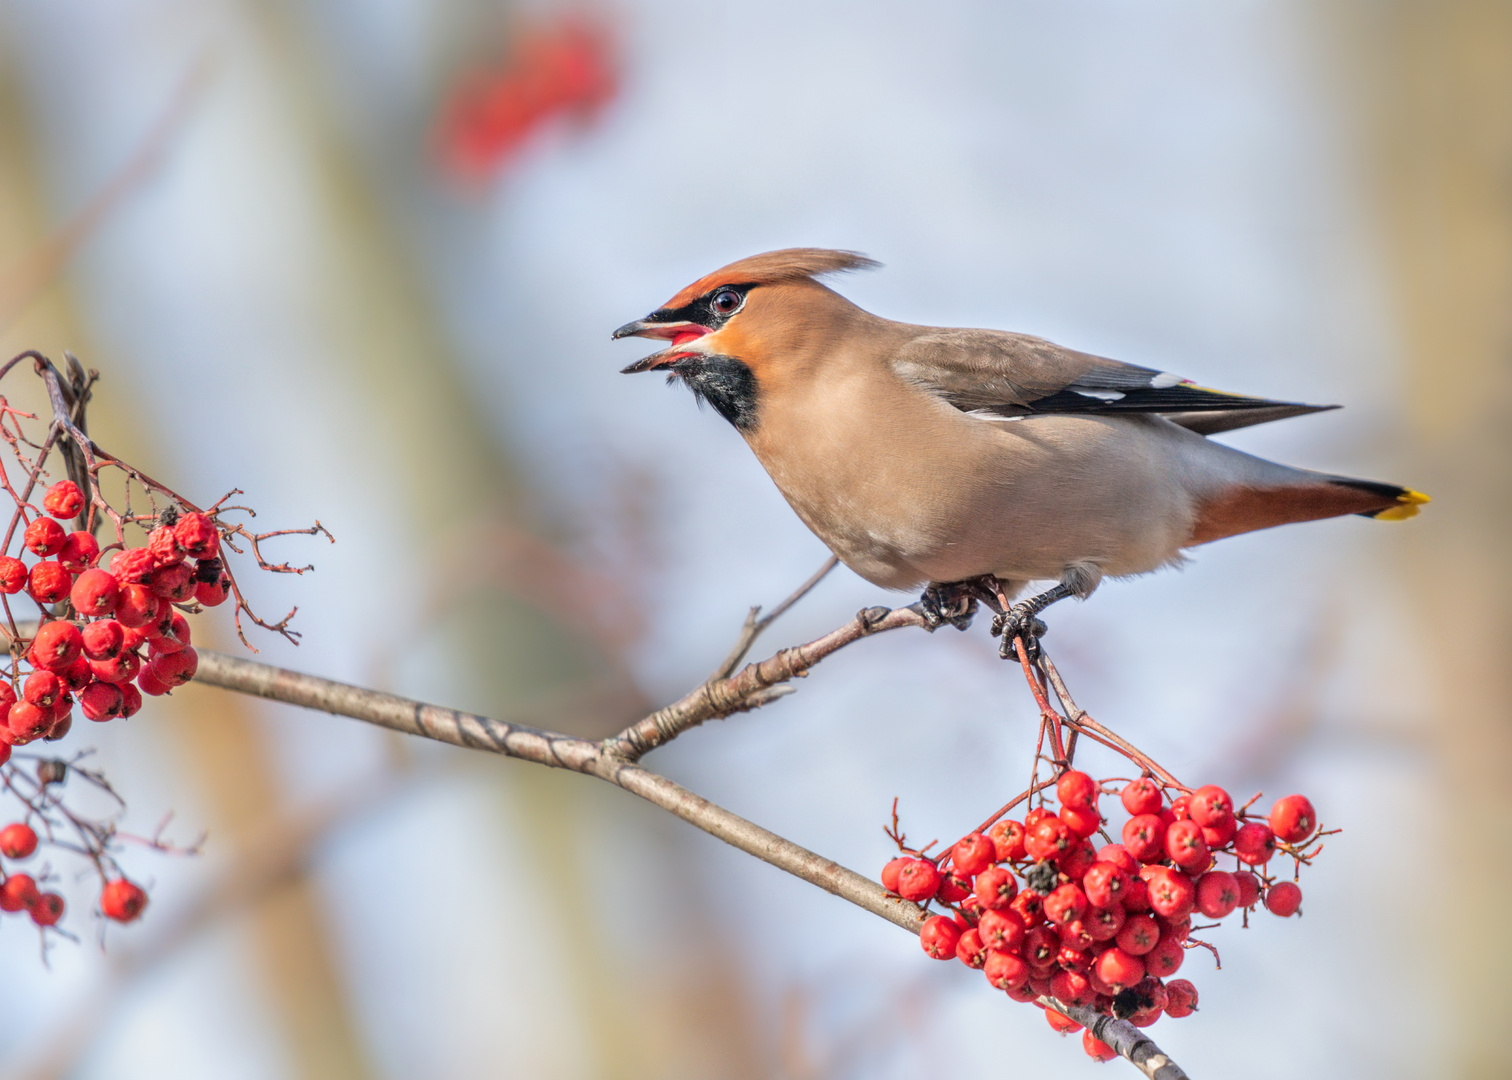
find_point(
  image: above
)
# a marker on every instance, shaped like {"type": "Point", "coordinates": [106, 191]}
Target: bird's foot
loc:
{"type": "Point", "coordinates": [952, 604]}
{"type": "Point", "coordinates": [1019, 622]}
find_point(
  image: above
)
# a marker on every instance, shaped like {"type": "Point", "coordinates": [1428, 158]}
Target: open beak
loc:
{"type": "Point", "coordinates": [679, 333]}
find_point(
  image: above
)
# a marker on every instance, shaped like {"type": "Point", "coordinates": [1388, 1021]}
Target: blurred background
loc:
{"type": "Point", "coordinates": [362, 260]}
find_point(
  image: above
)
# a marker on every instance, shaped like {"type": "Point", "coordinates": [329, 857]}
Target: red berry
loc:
{"type": "Point", "coordinates": [1249, 888]}
{"type": "Point", "coordinates": [971, 950]}
{"type": "Point", "coordinates": [1063, 1024]}
{"type": "Point", "coordinates": [953, 888]}
{"type": "Point", "coordinates": [49, 582]}
{"type": "Point", "coordinates": [197, 535]}
{"type": "Point", "coordinates": [1217, 894]}
{"type": "Point", "coordinates": [151, 684]}
{"type": "Point", "coordinates": [1096, 1049]}
{"type": "Point", "coordinates": [47, 909]}
{"type": "Point", "coordinates": [133, 566]}
{"type": "Point", "coordinates": [1030, 907]}
{"type": "Point", "coordinates": [1032, 818]}
{"type": "Point", "coordinates": [1076, 934]}
{"type": "Point", "coordinates": [62, 719]}
{"type": "Point", "coordinates": [1165, 958]}
{"type": "Point", "coordinates": [1072, 987]}
{"type": "Point", "coordinates": [1137, 895]}
{"type": "Point", "coordinates": [213, 593]}
{"type": "Point", "coordinates": [1254, 843]}
{"type": "Point", "coordinates": [94, 593]}
{"type": "Point", "coordinates": [1103, 924]}
{"type": "Point", "coordinates": [1283, 898]}
{"type": "Point", "coordinates": [42, 688]}
{"type": "Point", "coordinates": [1082, 821]}
{"type": "Point", "coordinates": [1076, 789]}
{"type": "Point", "coordinates": [17, 841]}
{"type": "Point", "coordinates": [174, 583]}
{"type": "Point", "coordinates": [1210, 805]}
{"type": "Point", "coordinates": [18, 893]}
{"type": "Point", "coordinates": [176, 668]}
{"type": "Point", "coordinates": [122, 901]}
{"type": "Point", "coordinates": [77, 675]}
{"type": "Point", "coordinates": [1065, 903]}
{"type": "Point", "coordinates": [1004, 970]}
{"type": "Point", "coordinates": [1048, 838]}
{"type": "Point", "coordinates": [1186, 847]}
{"type": "Point", "coordinates": [1181, 998]}
{"type": "Point", "coordinates": [1119, 856]}
{"type": "Point", "coordinates": [1120, 969]}
{"type": "Point", "coordinates": [57, 645]}
{"type": "Point", "coordinates": [27, 722]}
{"type": "Point", "coordinates": [1008, 838]}
{"type": "Point", "coordinates": [1144, 837]}
{"type": "Point", "coordinates": [169, 633]}
{"type": "Point", "coordinates": [1142, 796]}
{"type": "Point", "coordinates": [1104, 885]}
{"type": "Point", "coordinates": [63, 499]}
{"type": "Point", "coordinates": [103, 640]}
{"type": "Point", "coordinates": [1139, 935]}
{"type": "Point", "coordinates": [1077, 859]}
{"type": "Point", "coordinates": [101, 701]}
{"type": "Point", "coordinates": [917, 879]}
{"type": "Point", "coordinates": [80, 549]}
{"type": "Point", "coordinates": [1219, 835]}
{"type": "Point", "coordinates": [996, 887]}
{"type": "Point", "coordinates": [1172, 893]}
{"type": "Point", "coordinates": [136, 605]}
{"type": "Point", "coordinates": [164, 547]}
{"type": "Point", "coordinates": [1001, 930]}
{"type": "Point", "coordinates": [131, 700]}
{"type": "Point", "coordinates": [973, 854]}
{"type": "Point", "coordinates": [44, 537]}
{"type": "Point", "coordinates": [1041, 946]}
{"type": "Point", "coordinates": [890, 873]}
{"type": "Point", "coordinates": [1293, 819]}
{"type": "Point", "coordinates": [120, 669]}
{"type": "Point", "coordinates": [940, 936]}
{"type": "Point", "coordinates": [13, 576]}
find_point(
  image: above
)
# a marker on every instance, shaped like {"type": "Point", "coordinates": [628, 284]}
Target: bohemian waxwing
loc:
{"type": "Point", "coordinates": [949, 458]}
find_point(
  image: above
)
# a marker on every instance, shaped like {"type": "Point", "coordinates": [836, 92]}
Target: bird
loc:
{"type": "Point", "coordinates": [970, 463]}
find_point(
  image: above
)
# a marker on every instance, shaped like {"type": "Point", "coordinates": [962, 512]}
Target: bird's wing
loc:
{"type": "Point", "coordinates": [999, 374]}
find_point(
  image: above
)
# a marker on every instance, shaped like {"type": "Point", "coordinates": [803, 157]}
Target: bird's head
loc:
{"type": "Point", "coordinates": [726, 329]}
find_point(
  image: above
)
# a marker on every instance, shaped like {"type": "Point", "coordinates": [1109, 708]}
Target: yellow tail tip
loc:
{"type": "Point", "coordinates": [1406, 507]}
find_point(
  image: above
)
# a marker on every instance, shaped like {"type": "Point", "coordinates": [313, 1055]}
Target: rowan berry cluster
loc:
{"type": "Point", "coordinates": [111, 623]}
{"type": "Point", "coordinates": [1044, 911]}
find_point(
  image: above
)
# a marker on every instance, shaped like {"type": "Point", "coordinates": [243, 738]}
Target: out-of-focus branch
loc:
{"type": "Point", "coordinates": [1123, 1038]}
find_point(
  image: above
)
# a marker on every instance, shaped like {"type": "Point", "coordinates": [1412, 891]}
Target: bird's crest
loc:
{"type": "Point", "coordinates": [770, 267]}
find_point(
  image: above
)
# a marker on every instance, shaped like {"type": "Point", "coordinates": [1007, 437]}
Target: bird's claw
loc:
{"type": "Point", "coordinates": [947, 605]}
{"type": "Point", "coordinates": [1019, 622]}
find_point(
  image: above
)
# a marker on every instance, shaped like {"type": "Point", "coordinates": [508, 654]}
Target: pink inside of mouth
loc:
{"type": "Point", "coordinates": [682, 337]}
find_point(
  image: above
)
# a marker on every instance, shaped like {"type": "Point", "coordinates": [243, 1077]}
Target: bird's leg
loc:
{"type": "Point", "coordinates": [1019, 621]}
{"type": "Point", "coordinates": [955, 602]}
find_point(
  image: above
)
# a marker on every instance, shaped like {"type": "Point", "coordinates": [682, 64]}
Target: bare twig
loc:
{"type": "Point", "coordinates": [753, 626]}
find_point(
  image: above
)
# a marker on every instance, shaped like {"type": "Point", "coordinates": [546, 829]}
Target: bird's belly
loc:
{"type": "Point", "coordinates": [1023, 501]}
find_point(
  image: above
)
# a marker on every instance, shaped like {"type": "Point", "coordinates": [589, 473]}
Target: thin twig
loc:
{"type": "Point", "coordinates": [753, 626]}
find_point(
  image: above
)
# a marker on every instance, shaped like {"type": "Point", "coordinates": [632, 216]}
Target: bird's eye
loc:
{"type": "Point", "coordinates": [725, 301]}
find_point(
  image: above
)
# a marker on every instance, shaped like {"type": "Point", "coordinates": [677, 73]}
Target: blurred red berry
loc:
{"type": "Point", "coordinates": [1104, 923]}
{"type": "Point", "coordinates": [17, 841]}
{"type": "Point", "coordinates": [94, 593]}
{"type": "Point", "coordinates": [176, 668]}
{"type": "Point", "coordinates": [150, 683]}
{"type": "Point", "coordinates": [47, 909]}
{"type": "Point", "coordinates": [1293, 819]}
{"type": "Point", "coordinates": [49, 582]}
{"type": "Point", "coordinates": [169, 632]}
{"type": "Point", "coordinates": [1004, 970]}
{"type": "Point", "coordinates": [102, 640]}
{"type": "Point", "coordinates": [164, 545]}
{"type": "Point", "coordinates": [1072, 987]}
{"type": "Point", "coordinates": [996, 887]}
{"type": "Point", "coordinates": [1082, 821]}
{"type": "Point", "coordinates": [122, 901]}
{"type": "Point", "coordinates": [1283, 898]}
{"type": "Point", "coordinates": [1217, 894]}
{"type": "Point", "coordinates": [1186, 848]}
{"type": "Point", "coordinates": [971, 950]}
{"type": "Point", "coordinates": [173, 583]}
{"type": "Point", "coordinates": [1096, 1049]}
{"type": "Point", "coordinates": [18, 893]}
{"type": "Point", "coordinates": [1139, 935]}
{"type": "Point", "coordinates": [973, 854]}
{"type": "Point", "coordinates": [63, 499]}
{"type": "Point", "coordinates": [1137, 895]}
{"type": "Point", "coordinates": [1144, 837]}
{"type": "Point", "coordinates": [890, 873]}
{"type": "Point", "coordinates": [1001, 930]}
{"type": "Point", "coordinates": [1219, 835]}
{"type": "Point", "coordinates": [133, 566]}
{"type": "Point", "coordinates": [1120, 969]}
{"type": "Point", "coordinates": [1254, 843]}
{"type": "Point", "coordinates": [1119, 856]}
{"type": "Point", "coordinates": [1210, 805]}
{"type": "Point", "coordinates": [940, 936]}
{"type": "Point", "coordinates": [1181, 998]}
{"type": "Point", "coordinates": [120, 668]}
{"type": "Point", "coordinates": [1065, 903]}
{"type": "Point", "coordinates": [1249, 888]}
{"type": "Point", "coordinates": [1030, 907]}
{"type": "Point", "coordinates": [44, 537]}
{"type": "Point", "coordinates": [213, 593]}
{"type": "Point", "coordinates": [27, 722]}
{"type": "Point", "coordinates": [80, 549]}
{"type": "Point", "coordinates": [131, 700]}
{"type": "Point", "coordinates": [101, 701]}
{"type": "Point", "coordinates": [1172, 893]}
{"type": "Point", "coordinates": [1041, 946]}
{"type": "Point", "coordinates": [1076, 789]}
{"type": "Point", "coordinates": [56, 645]}
{"type": "Point", "coordinates": [1048, 838]}
{"type": "Point", "coordinates": [1142, 796]}
{"type": "Point", "coordinates": [917, 879]}
{"type": "Point", "coordinates": [1077, 859]}
{"type": "Point", "coordinates": [1008, 838]}
{"type": "Point", "coordinates": [1063, 1024]}
{"type": "Point", "coordinates": [13, 575]}
{"type": "Point", "coordinates": [136, 606]}
{"type": "Point", "coordinates": [1104, 885]}
{"type": "Point", "coordinates": [197, 535]}
{"type": "Point", "coordinates": [953, 888]}
{"type": "Point", "coordinates": [1165, 958]}
{"type": "Point", "coordinates": [42, 688]}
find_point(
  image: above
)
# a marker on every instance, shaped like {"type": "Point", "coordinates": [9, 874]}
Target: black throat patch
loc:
{"type": "Point", "coordinates": [725, 383]}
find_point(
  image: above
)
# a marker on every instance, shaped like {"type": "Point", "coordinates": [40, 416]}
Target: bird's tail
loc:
{"type": "Point", "coordinates": [1397, 503]}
